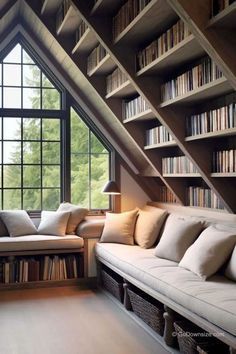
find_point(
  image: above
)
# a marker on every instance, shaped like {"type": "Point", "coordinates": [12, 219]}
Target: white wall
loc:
{"type": "Point", "coordinates": [131, 194]}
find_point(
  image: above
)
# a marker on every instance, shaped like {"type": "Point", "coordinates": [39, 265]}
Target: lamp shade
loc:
{"type": "Point", "coordinates": [111, 188]}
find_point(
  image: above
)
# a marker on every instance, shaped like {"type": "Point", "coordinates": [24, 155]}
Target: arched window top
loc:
{"type": "Point", "coordinates": [24, 85]}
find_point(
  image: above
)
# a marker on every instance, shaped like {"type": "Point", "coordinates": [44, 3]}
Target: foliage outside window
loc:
{"type": "Point", "coordinates": [31, 156]}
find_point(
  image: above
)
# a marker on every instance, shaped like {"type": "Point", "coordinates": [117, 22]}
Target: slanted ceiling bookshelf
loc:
{"type": "Point", "coordinates": [169, 71]}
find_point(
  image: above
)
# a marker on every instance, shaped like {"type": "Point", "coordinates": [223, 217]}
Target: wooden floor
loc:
{"type": "Point", "coordinates": [68, 320]}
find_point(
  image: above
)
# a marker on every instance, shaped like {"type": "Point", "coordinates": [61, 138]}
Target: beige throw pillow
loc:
{"type": "Point", "coordinates": [230, 271]}
{"type": "Point", "coordinates": [209, 251]}
{"type": "Point", "coordinates": [178, 234]}
{"type": "Point", "coordinates": [18, 223]}
{"type": "Point", "coordinates": [53, 223]}
{"type": "Point", "coordinates": [148, 226]}
{"type": "Point", "coordinates": [119, 228]}
{"type": "Point", "coordinates": [77, 214]}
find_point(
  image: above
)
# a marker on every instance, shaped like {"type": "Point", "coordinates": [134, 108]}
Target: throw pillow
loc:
{"type": "Point", "coordinates": [178, 234]}
{"type": "Point", "coordinates": [77, 214]}
{"type": "Point", "coordinates": [53, 223]}
{"type": "Point", "coordinates": [230, 271]}
{"type": "Point", "coordinates": [148, 226]}
{"type": "Point", "coordinates": [119, 228]}
{"type": "Point", "coordinates": [209, 251]}
{"type": "Point", "coordinates": [18, 223]}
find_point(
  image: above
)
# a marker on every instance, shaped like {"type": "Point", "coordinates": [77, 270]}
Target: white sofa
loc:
{"type": "Point", "coordinates": [209, 304]}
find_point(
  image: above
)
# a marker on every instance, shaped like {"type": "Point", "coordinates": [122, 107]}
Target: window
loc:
{"type": "Point", "coordinates": [33, 148]}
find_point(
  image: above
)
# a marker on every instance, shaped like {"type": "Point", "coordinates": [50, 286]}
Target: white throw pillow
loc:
{"type": "Point", "coordinates": [148, 226]}
{"type": "Point", "coordinates": [53, 223]}
{"type": "Point", "coordinates": [209, 251]}
{"type": "Point", "coordinates": [18, 223]}
{"type": "Point", "coordinates": [119, 228]}
{"type": "Point", "coordinates": [77, 215]}
{"type": "Point", "coordinates": [178, 234]}
{"type": "Point", "coordinates": [230, 271]}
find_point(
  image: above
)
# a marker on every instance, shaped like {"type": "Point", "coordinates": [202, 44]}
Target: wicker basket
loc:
{"type": "Point", "coordinates": [193, 340]}
{"type": "Point", "coordinates": [148, 309]}
{"type": "Point", "coordinates": [113, 283]}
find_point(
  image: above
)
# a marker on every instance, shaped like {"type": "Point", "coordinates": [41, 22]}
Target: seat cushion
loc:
{"type": "Point", "coordinates": [213, 300]}
{"type": "Point", "coordinates": [40, 242]}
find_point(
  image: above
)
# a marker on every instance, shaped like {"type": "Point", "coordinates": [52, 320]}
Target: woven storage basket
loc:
{"type": "Point", "coordinates": [194, 340]}
{"type": "Point", "coordinates": [148, 309]}
{"type": "Point", "coordinates": [113, 283]}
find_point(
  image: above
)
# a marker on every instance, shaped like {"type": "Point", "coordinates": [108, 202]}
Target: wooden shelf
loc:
{"type": "Point", "coordinates": [225, 18]}
{"type": "Point", "coordinates": [151, 20]}
{"type": "Point", "coordinates": [215, 134]}
{"type": "Point", "coordinates": [124, 90]}
{"type": "Point", "coordinates": [212, 89]}
{"type": "Point", "coordinates": [105, 66]}
{"type": "Point", "coordinates": [70, 22]}
{"type": "Point", "coordinates": [50, 6]}
{"type": "Point", "coordinates": [226, 174]}
{"type": "Point", "coordinates": [185, 51]}
{"type": "Point", "coordinates": [146, 115]}
{"type": "Point", "coordinates": [160, 145]}
{"type": "Point", "coordinates": [181, 175]}
{"type": "Point", "coordinates": [86, 43]}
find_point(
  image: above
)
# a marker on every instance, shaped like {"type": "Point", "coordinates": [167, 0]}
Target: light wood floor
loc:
{"type": "Point", "coordinates": [69, 320]}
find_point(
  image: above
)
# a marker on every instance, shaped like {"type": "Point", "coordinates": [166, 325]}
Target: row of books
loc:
{"type": "Point", "coordinates": [177, 165]}
{"type": "Point", "coordinates": [165, 42]}
{"type": "Point", "coordinates": [95, 57]}
{"type": "Point", "coordinates": [158, 135]}
{"type": "Point", "coordinates": [198, 76]}
{"type": "Point", "coordinates": [211, 121]}
{"type": "Point", "coordinates": [21, 270]}
{"type": "Point", "coordinates": [166, 196]}
{"type": "Point", "coordinates": [127, 14]}
{"type": "Point", "coordinates": [203, 197]}
{"type": "Point", "coordinates": [220, 5]}
{"type": "Point", "coordinates": [115, 80]}
{"type": "Point", "coordinates": [62, 11]}
{"type": "Point", "coordinates": [134, 107]}
{"type": "Point", "coordinates": [224, 161]}
{"type": "Point", "coordinates": [80, 31]}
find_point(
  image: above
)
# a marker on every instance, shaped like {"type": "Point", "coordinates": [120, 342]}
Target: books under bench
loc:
{"type": "Point", "coordinates": [40, 268]}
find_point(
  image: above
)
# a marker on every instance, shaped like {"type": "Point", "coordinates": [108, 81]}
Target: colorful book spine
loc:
{"type": "Point", "coordinates": [178, 165]}
{"type": "Point", "coordinates": [203, 197]}
{"type": "Point", "coordinates": [135, 107]}
{"type": "Point", "coordinates": [224, 161]}
{"type": "Point", "coordinates": [158, 135]}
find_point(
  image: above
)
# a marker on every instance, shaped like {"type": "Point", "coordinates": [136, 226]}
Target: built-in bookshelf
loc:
{"type": "Point", "coordinates": [134, 107]}
{"type": "Point", "coordinates": [220, 5]}
{"type": "Point", "coordinates": [224, 161]}
{"type": "Point", "coordinates": [95, 57]}
{"type": "Point", "coordinates": [116, 82]}
{"type": "Point", "coordinates": [169, 39]}
{"type": "Point", "coordinates": [203, 73]}
{"type": "Point", "coordinates": [178, 165]}
{"type": "Point", "coordinates": [203, 197]}
{"type": "Point", "coordinates": [158, 135]}
{"type": "Point", "coordinates": [80, 31]}
{"type": "Point", "coordinates": [67, 18]}
{"type": "Point", "coordinates": [166, 196]}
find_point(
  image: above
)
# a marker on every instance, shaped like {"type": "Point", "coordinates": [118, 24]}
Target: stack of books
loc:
{"type": "Point", "coordinates": [212, 121]}
{"type": "Point", "coordinates": [80, 31]}
{"type": "Point", "coordinates": [166, 195]}
{"type": "Point", "coordinates": [201, 74]}
{"type": "Point", "coordinates": [95, 57]}
{"type": "Point", "coordinates": [127, 14]}
{"type": "Point", "coordinates": [62, 11]}
{"type": "Point", "coordinates": [134, 107]}
{"type": "Point", "coordinates": [219, 5]}
{"type": "Point", "coordinates": [178, 165]}
{"type": "Point", "coordinates": [115, 80]}
{"type": "Point", "coordinates": [224, 161]}
{"type": "Point", "coordinates": [158, 135]}
{"type": "Point", "coordinates": [203, 197]}
{"type": "Point", "coordinates": [165, 42]}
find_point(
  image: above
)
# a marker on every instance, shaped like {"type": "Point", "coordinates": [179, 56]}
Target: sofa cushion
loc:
{"type": "Point", "coordinates": [119, 228]}
{"type": "Point", "coordinates": [77, 214]}
{"type": "Point", "coordinates": [40, 242]}
{"type": "Point", "coordinates": [213, 300]}
{"type": "Point", "coordinates": [230, 271]}
{"type": "Point", "coordinates": [209, 251]}
{"type": "Point", "coordinates": [148, 226]}
{"type": "Point", "coordinates": [178, 234]}
{"type": "Point", "coordinates": [53, 223]}
{"type": "Point", "coordinates": [18, 222]}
